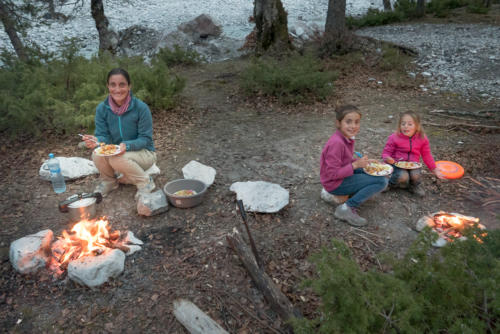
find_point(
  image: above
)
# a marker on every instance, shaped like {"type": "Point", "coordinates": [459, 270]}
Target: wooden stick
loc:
{"type": "Point", "coordinates": [490, 127]}
{"type": "Point", "coordinates": [277, 300]}
{"type": "Point", "coordinates": [195, 321]}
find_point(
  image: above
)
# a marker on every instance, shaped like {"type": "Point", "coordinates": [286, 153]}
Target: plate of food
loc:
{"type": "Point", "coordinates": [408, 165]}
{"type": "Point", "coordinates": [107, 150]}
{"type": "Point", "coordinates": [378, 169]}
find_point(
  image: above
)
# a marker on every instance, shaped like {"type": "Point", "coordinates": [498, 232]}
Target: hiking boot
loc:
{"type": "Point", "coordinates": [146, 189]}
{"type": "Point", "coordinates": [417, 190]}
{"type": "Point", "coordinates": [390, 186]}
{"type": "Point", "coordinates": [348, 214]}
{"type": "Point", "coordinates": [333, 199]}
{"type": "Point", "coordinates": [106, 187]}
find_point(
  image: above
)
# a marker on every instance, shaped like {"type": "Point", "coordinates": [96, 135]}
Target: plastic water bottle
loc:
{"type": "Point", "coordinates": [55, 175]}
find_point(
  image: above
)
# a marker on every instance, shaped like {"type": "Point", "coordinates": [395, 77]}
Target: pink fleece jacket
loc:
{"type": "Point", "coordinates": [336, 161]}
{"type": "Point", "coordinates": [404, 148]}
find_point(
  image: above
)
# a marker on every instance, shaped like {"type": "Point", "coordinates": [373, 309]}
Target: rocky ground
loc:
{"type": "Point", "coordinates": [186, 254]}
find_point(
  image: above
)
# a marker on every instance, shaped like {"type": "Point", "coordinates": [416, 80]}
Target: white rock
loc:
{"type": "Point", "coordinates": [426, 74]}
{"type": "Point", "coordinates": [150, 204]}
{"type": "Point", "coordinates": [93, 271]}
{"type": "Point", "coordinates": [261, 196]}
{"type": "Point", "coordinates": [198, 171]}
{"type": "Point", "coordinates": [71, 168]}
{"type": "Point", "coordinates": [131, 239]}
{"type": "Point", "coordinates": [31, 252]}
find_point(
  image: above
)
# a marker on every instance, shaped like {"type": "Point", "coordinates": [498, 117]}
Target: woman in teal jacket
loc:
{"type": "Point", "coordinates": [123, 120]}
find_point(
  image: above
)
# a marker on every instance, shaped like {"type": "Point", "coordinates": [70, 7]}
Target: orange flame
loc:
{"type": "Point", "coordinates": [87, 237]}
{"type": "Point", "coordinates": [452, 225]}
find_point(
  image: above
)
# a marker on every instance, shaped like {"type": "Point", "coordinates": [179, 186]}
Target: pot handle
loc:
{"type": "Point", "coordinates": [63, 205]}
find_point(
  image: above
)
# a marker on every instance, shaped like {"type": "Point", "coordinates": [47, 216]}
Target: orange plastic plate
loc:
{"type": "Point", "coordinates": [450, 170]}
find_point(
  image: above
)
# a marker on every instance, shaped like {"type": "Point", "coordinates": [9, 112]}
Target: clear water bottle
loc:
{"type": "Point", "coordinates": [56, 175]}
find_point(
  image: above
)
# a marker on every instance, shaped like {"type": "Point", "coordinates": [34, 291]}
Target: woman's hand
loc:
{"type": "Point", "coordinates": [90, 141]}
{"type": "Point", "coordinates": [123, 149]}
{"type": "Point", "coordinates": [360, 163]}
{"type": "Point", "coordinates": [438, 173]}
{"type": "Point", "coordinates": [390, 160]}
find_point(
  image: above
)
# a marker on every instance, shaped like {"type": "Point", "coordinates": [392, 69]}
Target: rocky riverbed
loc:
{"type": "Point", "coordinates": [460, 58]}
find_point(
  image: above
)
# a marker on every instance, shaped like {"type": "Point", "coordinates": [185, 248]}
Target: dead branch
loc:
{"type": "Point", "coordinates": [487, 113]}
{"type": "Point", "coordinates": [277, 300]}
{"type": "Point", "coordinates": [194, 319]}
{"type": "Point", "coordinates": [475, 126]}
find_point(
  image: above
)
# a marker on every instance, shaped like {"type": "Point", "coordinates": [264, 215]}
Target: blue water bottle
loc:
{"type": "Point", "coordinates": [56, 176]}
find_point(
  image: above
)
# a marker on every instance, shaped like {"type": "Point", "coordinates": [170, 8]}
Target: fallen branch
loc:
{"type": "Point", "coordinates": [488, 113]}
{"type": "Point", "coordinates": [476, 126]}
{"type": "Point", "coordinates": [195, 321]}
{"type": "Point", "coordinates": [277, 300]}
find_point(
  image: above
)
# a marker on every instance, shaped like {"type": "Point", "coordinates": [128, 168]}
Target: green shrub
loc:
{"type": "Point", "coordinates": [374, 17]}
{"type": "Point", "coordinates": [178, 56]}
{"type": "Point", "coordinates": [292, 80]}
{"type": "Point", "coordinates": [60, 95]}
{"type": "Point", "coordinates": [453, 290]}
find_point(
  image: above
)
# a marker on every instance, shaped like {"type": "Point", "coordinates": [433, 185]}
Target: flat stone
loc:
{"type": "Point", "coordinates": [72, 168]}
{"type": "Point", "coordinates": [32, 252]}
{"type": "Point", "coordinates": [93, 271]}
{"type": "Point", "coordinates": [198, 171]}
{"type": "Point", "coordinates": [261, 196]}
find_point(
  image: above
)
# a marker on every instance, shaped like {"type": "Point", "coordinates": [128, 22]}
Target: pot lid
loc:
{"type": "Point", "coordinates": [84, 202]}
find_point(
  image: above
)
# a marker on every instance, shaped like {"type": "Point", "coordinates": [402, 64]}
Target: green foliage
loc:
{"type": "Point", "coordinates": [178, 56]}
{"type": "Point", "coordinates": [453, 290]}
{"type": "Point", "coordinates": [60, 95]}
{"type": "Point", "coordinates": [292, 80]}
{"type": "Point", "coordinates": [374, 17]}
{"type": "Point", "coordinates": [442, 8]}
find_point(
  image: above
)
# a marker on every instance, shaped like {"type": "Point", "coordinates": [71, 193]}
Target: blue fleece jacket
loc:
{"type": "Point", "coordinates": [134, 127]}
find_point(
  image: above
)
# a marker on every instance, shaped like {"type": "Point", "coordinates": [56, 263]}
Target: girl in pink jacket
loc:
{"type": "Point", "coordinates": [409, 143]}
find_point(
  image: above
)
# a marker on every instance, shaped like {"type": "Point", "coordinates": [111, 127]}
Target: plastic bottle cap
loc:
{"type": "Point", "coordinates": [51, 155]}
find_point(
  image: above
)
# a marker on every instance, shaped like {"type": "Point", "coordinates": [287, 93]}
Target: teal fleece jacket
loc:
{"type": "Point", "coordinates": [134, 127]}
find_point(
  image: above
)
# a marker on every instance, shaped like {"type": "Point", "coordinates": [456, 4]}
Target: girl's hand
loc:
{"type": "Point", "coordinates": [438, 173]}
{"type": "Point", "coordinates": [360, 163]}
{"type": "Point", "coordinates": [123, 149]}
{"type": "Point", "coordinates": [90, 141]}
{"type": "Point", "coordinates": [390, 160]}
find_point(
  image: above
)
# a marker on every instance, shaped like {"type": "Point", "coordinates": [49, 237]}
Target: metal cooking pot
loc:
{"type": "Point", "coordinates": [81, 206]}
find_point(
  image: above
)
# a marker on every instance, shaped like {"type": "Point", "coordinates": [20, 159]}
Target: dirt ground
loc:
{"type": "Point", "coordinates": [186, 254]}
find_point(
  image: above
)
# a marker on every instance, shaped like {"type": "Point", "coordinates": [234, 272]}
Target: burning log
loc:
{"type": "Point", "coordinates": [278, 301]}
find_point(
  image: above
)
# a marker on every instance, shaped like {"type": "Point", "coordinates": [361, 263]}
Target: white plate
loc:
{"type": "Point", "coordinates": [386, 169]}
{"type": "Point", "coordinates": [97, 151]}
{"type": "Point", "coordinates": [408, 165]}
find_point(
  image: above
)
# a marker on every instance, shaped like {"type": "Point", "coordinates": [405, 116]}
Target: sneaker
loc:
{"type": "Point", "coordinates": [146, 189]}
{"type": "Point", "coordinates": [417, 190]}
{"type": "Point", "coordinates": [106, 187]}
{"type": "Point", "coordinates": [348, 214]}
{"type": "Point", "coordinates": [333, 199]}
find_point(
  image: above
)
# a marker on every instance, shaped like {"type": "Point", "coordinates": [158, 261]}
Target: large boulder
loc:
{"type": "Point", "coordinates": [31, 252]}
{"type": "Point", "coordinates": [202, 27]}
{"type": "Point", "coordinates": [138, 41]}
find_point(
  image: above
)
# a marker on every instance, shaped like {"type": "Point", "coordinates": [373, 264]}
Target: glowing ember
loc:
{"type": "Point", "coordinates": [450, 226]}
{"type": "Point", "coordinates": [86, 238]}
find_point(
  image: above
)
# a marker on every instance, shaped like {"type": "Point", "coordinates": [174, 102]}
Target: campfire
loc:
{"type": "Point", "coordinates": [449, 226]}
{"type": "Point", "coordinates": [86, 238]}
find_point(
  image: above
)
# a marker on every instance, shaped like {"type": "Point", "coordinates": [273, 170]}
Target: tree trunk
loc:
{"type": "Point", "coordinates": [420, 11]}
{"type": "Point", "coordinates": [10, 29]}
{"type": "Point", "coordinates": [387, 5]}
{"type": "Point", "coordinates": [108, 39]}
{"type": "Point", "coordinates": [487, 3]}
{"type": "Point", "coordinates": [335, 19]}
{"type": "Point", "coordinates": [271, 25]}
{"type": "Point", "coordinates": [335, 29]}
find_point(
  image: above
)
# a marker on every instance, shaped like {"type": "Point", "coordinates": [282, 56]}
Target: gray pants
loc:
{"type": "Point", "coordinates": [131, 164]}
{"type": "Point", "coordinates": [405, 177]}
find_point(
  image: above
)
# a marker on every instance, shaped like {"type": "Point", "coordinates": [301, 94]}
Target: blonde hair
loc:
{"type": "Point", "coordinates": [342, 111]}
{"type": "Point", "coordinates": [416, 118]}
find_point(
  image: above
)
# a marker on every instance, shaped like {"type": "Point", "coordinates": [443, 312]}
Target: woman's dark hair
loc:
{"type": "Point", "coordinates": [120, 71]}
{"type": "Point", "coordinates": [342, 111]}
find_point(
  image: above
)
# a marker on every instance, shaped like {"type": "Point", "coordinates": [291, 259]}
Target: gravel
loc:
{"type": "Point", "coordinates": [461, 58]}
